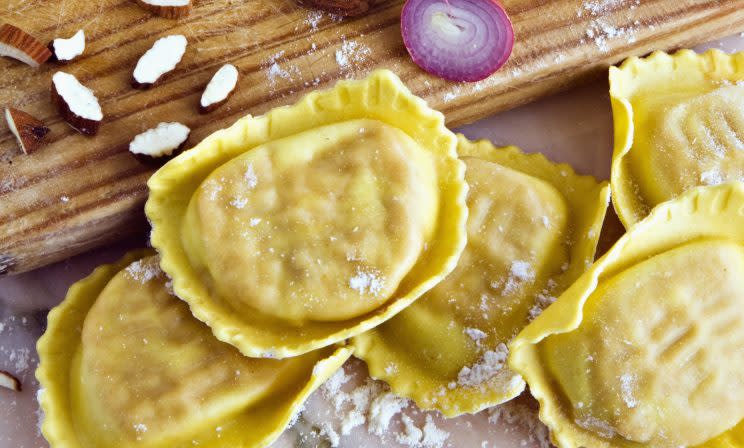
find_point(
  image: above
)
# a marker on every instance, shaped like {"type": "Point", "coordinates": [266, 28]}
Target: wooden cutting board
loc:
{"type": "Point", "coordinates": [80, 192]}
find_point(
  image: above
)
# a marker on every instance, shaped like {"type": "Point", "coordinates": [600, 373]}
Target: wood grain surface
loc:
{"type": "Point", "coordinates": [80, 192]}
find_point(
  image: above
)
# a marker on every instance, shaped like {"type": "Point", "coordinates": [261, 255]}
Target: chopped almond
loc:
{"type": "Point", "coordinates": [17, 44]}
{"type": "Point", "coordinates": [160, 141]}
{"type": "Point", "coordinates": [219, 88]}
{"type": "Point", "coordinates": [8, 381]}
{"type": "Point", "coordinates": [76, 103]}
{"type": "Point", "coordinates": [170, 9]}
{"type": "Point", "coordinates": [65, 50]}
{"type": "Point", "coordinates": [28, 130]}
{"type": "Point", "coordinates": [160, 59]}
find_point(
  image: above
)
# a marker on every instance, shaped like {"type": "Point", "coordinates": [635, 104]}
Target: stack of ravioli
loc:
{"type": "Point", "coordinates": [355, 222]}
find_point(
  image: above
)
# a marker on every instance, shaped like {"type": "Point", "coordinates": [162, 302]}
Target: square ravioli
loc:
{"type": "Point", "coordinates": [644, 350]}
{"type": "Point", "coordinates": [123, 363]}
{"type": "Point", "coordinates": [532, 229]}
{"type": "Point", "coordinates": [679, 123]}
{"type": "Point", "coordinates": [315, 222]}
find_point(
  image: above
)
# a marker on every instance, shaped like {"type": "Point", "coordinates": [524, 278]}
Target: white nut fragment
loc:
{"type": "Point", "coordinates": [76, 103]}
{"type": "Point", "coordinates": [160, 59]}
{"type": "Point", "coordinates": [8, 381]}
{"type": "Point", "coordinates": [161, 140]}
{"type": "Point", "coordinates": [219, 89]}
{"type": "Point", "coordinates": [68, 49]}
{"type": "Point", "coordinates": [28, 130]}
{"type": "Point", "coordinates": [18, 44]}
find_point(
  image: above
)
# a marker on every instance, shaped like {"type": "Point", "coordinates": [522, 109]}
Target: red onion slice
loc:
{"type": "Point", "coordinates": [458, 40]}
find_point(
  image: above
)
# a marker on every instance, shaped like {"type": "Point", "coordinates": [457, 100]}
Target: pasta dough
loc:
{"type": "Point", "coordinates": [292, 231]}
{"type": "Point", "coordinates": [679, 123]}
{"type": "Point", "coordinates": [532, 228]}
{"type": "Point", "coordinates": [644, 349]}
{"type": "Point", "coordinates": [123, 364]}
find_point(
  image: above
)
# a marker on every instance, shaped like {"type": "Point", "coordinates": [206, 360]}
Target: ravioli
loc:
{"type": "Point", "coordinates": [123, 363]}
{"type": "Point", "coordinates": [532, 229]}
{"type": "Point", "coordinates": [313, 223]}
{"type": "Point", "coordinates": [644, 350]}
{"type": "Point", "coordinates": [679, 123]}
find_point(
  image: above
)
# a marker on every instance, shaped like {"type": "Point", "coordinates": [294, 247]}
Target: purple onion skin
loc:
{"type": "Point", "coordinates": [483, 44]}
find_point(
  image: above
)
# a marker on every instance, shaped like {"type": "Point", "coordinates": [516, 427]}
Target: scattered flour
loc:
{"type": "Point", "coordinates": [711, 177]}
{"type": "Point", "coordinates": [250, 176]}
{"type": "Point", "coordinates": [313, 19]}
{"type": "Point", "coordinates": [515, 413]}
{"type": "Point", "coordinates": [373, 403]}
{"type": "Point", "coordinates": [383, 408]}
{"type": "Point", "coordinates": [627, 385]}
{"type": "Point", "coordinates": [601, 29]}
{"type": "Point", "coordinates": [519, 273]}
{"type": "Point", "coordinates": [367, 282]}
{"type": "Point", "coordinates": [143, 272]}
{"type": "Point", "coordinates": [411, 434]}
{"type": "Point", "coordinates": [600, 427]}
{"type": "Point", "coordinates": [391, 369]}
{"type": "Point", "coordinates": [486, 368]}
{"type": "Point", "coordinates": [350, 53]}
{"type": "Point", "coordinates": [542, 301]}
{"type": "Point", "coordinates": [433, 437]}
{"type": "Point", "coordinates": [276, 72]}
{"type": "Point", "coordinates": [476, 335]}
{"type": "Point", "coordinates": [239, 202]}
{"type": "Point", "coordinates": [139, 429]}
{"type": "Point", "coordinates": [20, 359]}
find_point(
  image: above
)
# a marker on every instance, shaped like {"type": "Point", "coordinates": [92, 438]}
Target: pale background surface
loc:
{"type": "Point", "coordinates": [573, 127]}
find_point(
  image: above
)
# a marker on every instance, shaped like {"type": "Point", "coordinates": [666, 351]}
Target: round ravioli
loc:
{"type": "Point", "coordinates": [532, 229]}
{"type": "Point", "coordinates": [123, 363]}
{"type": "Point", "coordinates": [301, 228]}
{"type": "Point", "coordinates": [644, 350]}
{"type": "Point", "coordinates": [679, 123]}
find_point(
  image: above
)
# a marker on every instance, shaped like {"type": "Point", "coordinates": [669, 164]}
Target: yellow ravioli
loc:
{"type": "Point", "coordinates": [313, 223]}
{"type": "Point", "coordinates": [644, 350]}
{"type": "Point", "coordinates": [679, 123]}
{"type": "Point", "coordinates": [123, 363]}
{"type": "Point", "coordinates": [532, 229]}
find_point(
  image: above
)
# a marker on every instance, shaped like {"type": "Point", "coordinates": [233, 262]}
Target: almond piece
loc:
{"type": "Point", "coordinates": [8, 381]}
{"type": "Point", "coordinates": [170, 9]}
{"type": "Point", "coordinates": [160, 141]}
{"type": "Point", "coordinates": [219, 89]}
{"type": "Point", "coordinates": [28, 130]}
{"type": "Point", "coordinates": [65, 50]}
{"type": "Point", "coordinates": [160, 59]}
{"type": "Point", "coordinates": [346, 8]}
{"type": "Point", "coordinates": [76, 103]}
{"type": "Point", "coordinates": [17, 44]}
